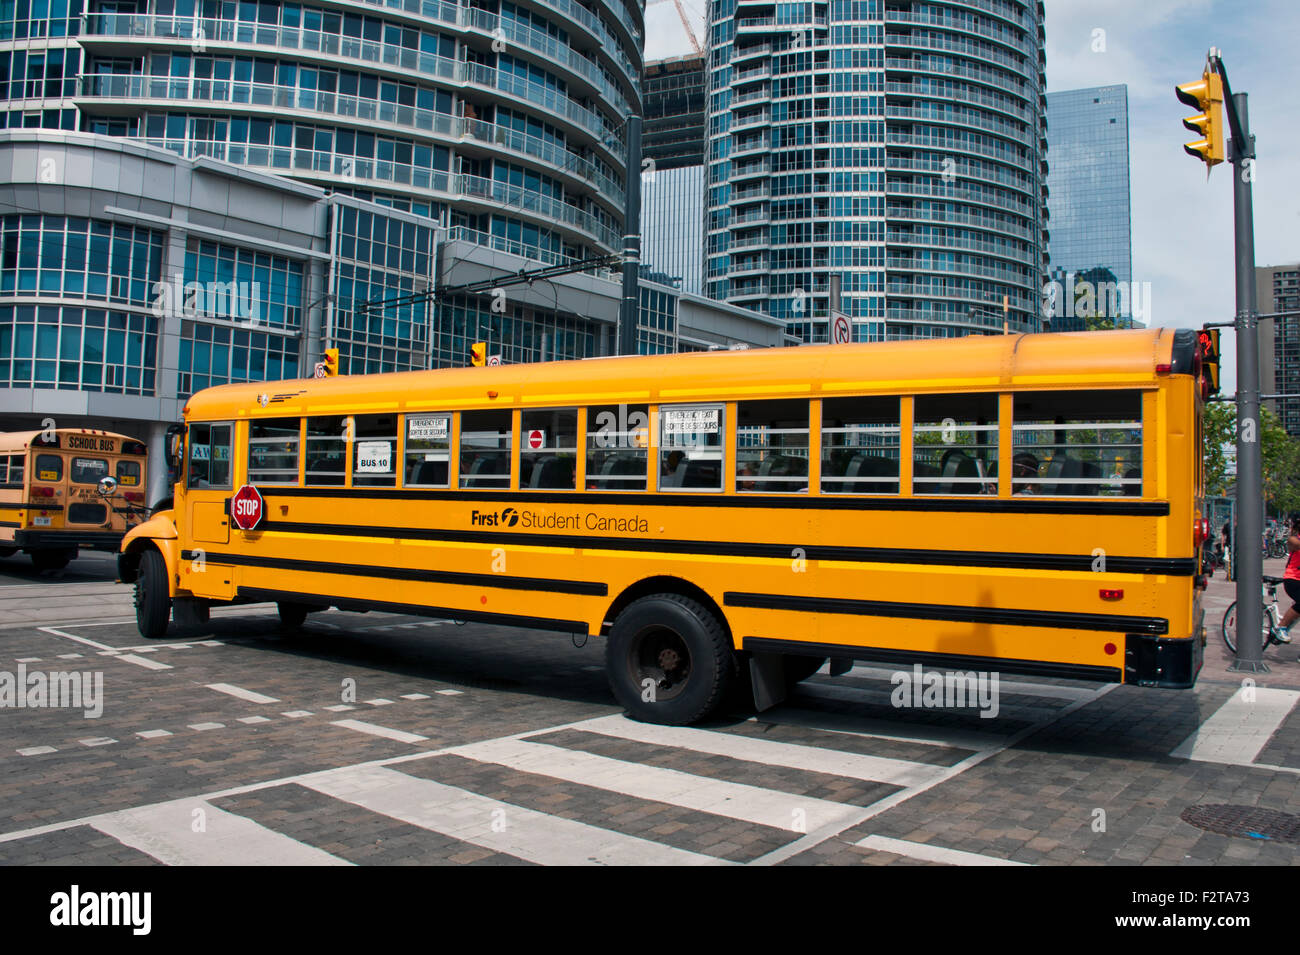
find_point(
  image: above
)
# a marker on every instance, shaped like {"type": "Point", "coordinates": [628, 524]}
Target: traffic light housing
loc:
{"type": "Point", "coordinates": [1206, 95]}
{"type": "Point", "coordinates": [478, 354]}
{"type": "Point", "coordinates": [331, 362]}
{"type": "Point", "coordinates": [1207, 345]}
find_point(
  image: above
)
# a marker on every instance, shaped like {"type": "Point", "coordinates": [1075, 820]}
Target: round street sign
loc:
{"type": "Point", "coordinates": [841, 330]}
{"type": "Point", "coordinates": [246, 508]}
{"type": "Point", "coordinates": [536, 439]}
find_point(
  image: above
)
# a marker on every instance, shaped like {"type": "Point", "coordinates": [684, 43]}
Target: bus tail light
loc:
{"type": "Point", "coordinates": [133, 495]}
{"type": "Point", "coordinates": [42, 492]}
{"type": "Point", "coordinates": [1110, 594]}
{"type": "Point", "coordinates": [1200, 531]}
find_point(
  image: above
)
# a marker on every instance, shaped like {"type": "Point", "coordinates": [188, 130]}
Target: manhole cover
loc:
{"type": "Point", "coordinates": [1248, 822]}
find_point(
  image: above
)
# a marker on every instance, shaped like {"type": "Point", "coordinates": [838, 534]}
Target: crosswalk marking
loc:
{"type": "Point", "coordinates": [524, 833]}
{"type": "Point", "coordinates": [144, 661]}
{"type": "Point", "coordinates": [764, 807]}
{"type": "Point", "coordinates": [929, 853]}
{"type": "Point", "coordinates": [881, 769]}
{"type": "Point", "coordinates": [166, 832]}
{"type": "Point", "coordinates": [240, 693]}
{"type": "Point", "coordinates": [1240, 729]}
{"type": "Point", "coordinates": [376, 730]}
{"type": "Point", "coordinates": [927, 734]}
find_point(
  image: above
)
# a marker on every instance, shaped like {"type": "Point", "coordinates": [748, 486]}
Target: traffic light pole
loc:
{"type": "Point", "coordinates": [631, 305]}
{"type": "Point", "coordinates": [1250, 500]}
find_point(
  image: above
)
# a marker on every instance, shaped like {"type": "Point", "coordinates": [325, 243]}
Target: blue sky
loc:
{"type": "Point", "coordinates": [1182, 224]}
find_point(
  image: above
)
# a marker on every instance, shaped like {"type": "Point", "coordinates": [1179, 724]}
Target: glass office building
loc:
{"type": "Point", "coordinates": [1088, 189]}
{"type": "Point", "coordinates": [898, 144]}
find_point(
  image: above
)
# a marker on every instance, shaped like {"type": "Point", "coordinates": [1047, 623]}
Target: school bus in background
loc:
{"type": "Point", "coordinates": [53, 499]}
{"type": "Point", "coordinates": [1027, 504]}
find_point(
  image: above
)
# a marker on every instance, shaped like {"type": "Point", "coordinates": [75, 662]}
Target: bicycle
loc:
{"type": "Point", "coordinates": [1271, 631]}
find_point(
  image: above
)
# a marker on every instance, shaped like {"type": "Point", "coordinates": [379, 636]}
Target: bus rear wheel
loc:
{"type": "Point", "coordinates": [153, 603]}
{"type": "Point", "coordinates": [669, 660]}
{"type": "Point", "coordinates": [53, 559]}
{"type": "Point", "coordinates": [292, 616]}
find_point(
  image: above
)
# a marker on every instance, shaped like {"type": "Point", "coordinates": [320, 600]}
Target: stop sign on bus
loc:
{"type": "Point", "coordinates": [246, 508]}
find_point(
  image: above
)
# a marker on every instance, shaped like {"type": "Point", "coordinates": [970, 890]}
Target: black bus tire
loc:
{"type": "Point", "coordinates": [8, 551]}
{"type": "Point", "coordinates": [292, 616]}
{"type": "Point", "coordinates": [668, 660]}
{"type": "Point", "coordinates": [153, 603]}
{"type": "Point", "coordinates": [53, 559]}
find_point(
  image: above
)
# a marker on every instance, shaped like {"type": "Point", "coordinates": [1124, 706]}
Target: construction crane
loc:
{"type": "Point", "coordinates": [686, 25]}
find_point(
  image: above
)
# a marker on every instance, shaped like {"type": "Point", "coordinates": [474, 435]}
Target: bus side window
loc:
{"type": "Point", "coordinates": [273, 451]}
{"type": "Point", "coordinates": [860, 442]}
{"type": "Point", "coordinates": [955, 444]}
{"type": "Point", "coordinates": [1078, 444]}
{"type": "Point", "coordinates": [618, 439]}
{"type": "Point", "coordinates": [690, 447]}
{"type": "Point", "coordinates": [374, 451]}
{"type": "Point", "coordinates": [485, 449]}
{"type": "Point", "coordinates": [209, 456]}
{"type": "Point", "coordinates": [326, 451]}
{"type": "Point", "coordinates": [4, 470]}
{"type": "Point", "coordinates": [128, 474]}
{"type": "Point", "coordinates": [548, 448]}
{"type": "Point", "coordinates": [428, 450]}
{"type": "Point", "coordinates": [772, 446]}
{"type": "Point", "coordinates": [17, 469]}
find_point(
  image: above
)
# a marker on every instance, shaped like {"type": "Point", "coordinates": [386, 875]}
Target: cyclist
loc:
{"type": "Point", "coordinates": [1291, 581]}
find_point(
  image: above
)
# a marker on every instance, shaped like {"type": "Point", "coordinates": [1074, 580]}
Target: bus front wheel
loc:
{"type": "Point", "coordinates": [153, 603]}
{"type": "Point", "coordinates": [668, 659]}
{"type": "Point", "coordinates": [53, 559]}
{"type": "Point", "coordinates": [292, 616]}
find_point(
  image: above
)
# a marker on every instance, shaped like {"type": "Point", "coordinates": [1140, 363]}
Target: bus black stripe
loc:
{"type": "Point", "coordinates": [1168, 566]}
{"type": "Point", "coordinates": [10, 506]}
{"type": "Point", "coordinates": [543, 584]}
{"type": "Point", "coordinates": [1019, 505]}
{"type": "Point", "coordinates": [260, 595]}
{"type": "Point", "coordinates": [1117, 623]}
{"type": "Point", "coordinates": [1071, 671]}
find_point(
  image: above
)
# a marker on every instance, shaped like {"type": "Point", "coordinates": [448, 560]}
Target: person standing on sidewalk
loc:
{"type": "Point", "coordinates": [1291, 580]}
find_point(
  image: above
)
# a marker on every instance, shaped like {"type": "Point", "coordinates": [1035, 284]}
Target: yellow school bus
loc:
{"type": "Point", "coordinates": [54, 498]}
{"type": "Point", "coordinates": [1027, 504]}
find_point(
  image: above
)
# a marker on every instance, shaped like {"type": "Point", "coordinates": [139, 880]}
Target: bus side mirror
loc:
{"type": "Point", "coordinates": [107, 486]}
{"type": "Point", "coordinates": [175, 446]}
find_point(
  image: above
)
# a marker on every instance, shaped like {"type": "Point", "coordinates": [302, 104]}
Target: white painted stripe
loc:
{"type": "Point", "coordinates": [1240, 729]}
{"type": "Point", "coordinates": [211, 643]}
{"type": "Point", "coordinates": [1004, 686]}
{"type": "Point", "coordinates": [526, 834]}
{"type": "Point", "coordinates": [253, 719]}
{"type": "Point", "coordinates": [72, 636]}
{"type": "Point", "coordinates": [928, 853]}
{"type": "Point", "coordinates": [375, 730]}
{"type": "Point", "coordinates": [97, 741]}
{"type": "Point", "coordinates": [144, 662]}
{"type": "Point", "coordinates": [339, 708]}
{"type": "Point", "coordinates": [29, 659]}
{"type": "Point", "coordinates": [297, 714]}
{"type": "Point", "coordinates": [207, 726]}
{"type": "Point", "coordinates": [378, 702]}
{"type": "Point", "coordinates": [240, 693]}
{"type": "Point", "coordinates": [166, 832]}
{"type": "Point", "coordinates": [70, 656]}
{"type": "Point", "coordinates": [415, 696]}
{"type": "Point", "coordinates": [764, 807]}
{"type": "Point", "coordinates": [899, 772]}
{"type": "Point", "coordinates": [448, 692]}
{"type": "Point", "coordinates": [36, 750]}
{"type": "Point", "coordinates": [153, 734]}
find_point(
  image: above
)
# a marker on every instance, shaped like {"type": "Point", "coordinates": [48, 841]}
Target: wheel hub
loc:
{"type": "Point", "coordinates": [669, 659]}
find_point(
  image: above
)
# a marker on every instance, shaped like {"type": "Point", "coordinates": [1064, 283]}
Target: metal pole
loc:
{"type": "Point", "coordinates": [1250, 481]}
{"type": "Point", "coordinates": [631, 305]}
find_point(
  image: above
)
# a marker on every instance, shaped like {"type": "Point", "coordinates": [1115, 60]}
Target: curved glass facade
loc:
{"type": "Point", "coordinates": [491, 115]}
{"type": "Point", "coordinates": [897, 144]}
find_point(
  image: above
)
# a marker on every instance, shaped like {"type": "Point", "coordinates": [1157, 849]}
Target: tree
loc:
{"type": "Point", "coordinates": [1220, 432]}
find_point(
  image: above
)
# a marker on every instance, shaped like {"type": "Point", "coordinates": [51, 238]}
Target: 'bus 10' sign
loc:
{"type": "Point", "coordinates": [246, 508]}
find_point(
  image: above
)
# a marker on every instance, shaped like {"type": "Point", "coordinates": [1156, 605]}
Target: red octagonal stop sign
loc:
{"type": "Point", "coordinates": [246, 508]}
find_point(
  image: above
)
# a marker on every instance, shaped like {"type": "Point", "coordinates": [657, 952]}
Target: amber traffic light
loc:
{"type": "Point", "coordinates": [1206, 95]}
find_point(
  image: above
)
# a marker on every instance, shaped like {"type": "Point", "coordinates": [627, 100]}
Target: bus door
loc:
{"type": "Point", "coordinates": [208, 482]}
{"type": "Point", "coordinates": [48, 482]}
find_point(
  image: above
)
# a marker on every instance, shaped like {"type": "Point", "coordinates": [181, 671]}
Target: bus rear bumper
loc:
{"type": "Point", "coordinates": [1168, 662]}
{"type": "Point", "coordinates": [61, 539]}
